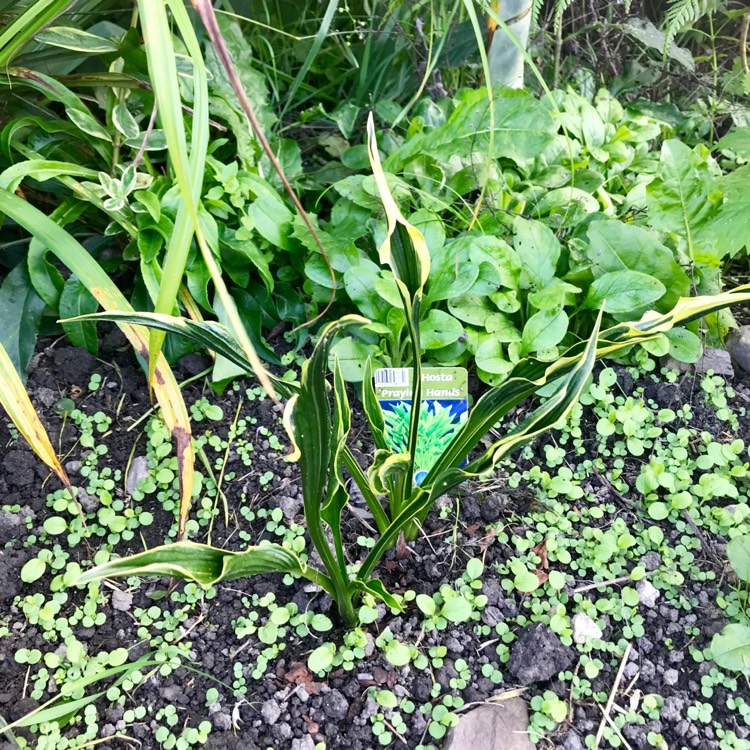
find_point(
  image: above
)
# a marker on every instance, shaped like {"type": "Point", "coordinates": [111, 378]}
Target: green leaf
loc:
{"type": "Point", "coordinates": [322, 658]}
{"type": "Point", "coordinates": [352, 355]}
{"type": "Point", "coordinates": [538, 250]}
{"type": "Point", "coordinates": [397, 653]}
{"type": "Point", "coordinates": [55, 525]}
{"type": "Point", "coordinates": [88, 124]}
{"type": "Point", "coordinates": [615, 246]}
{"type": "Point", "coordinates": [426, 604]}
{"type": "Point", "coordinates": [525, 581]}
{"type": "Point", "coordinates": [76, 300]}
{"type": "Point", "coordinates": [738, 552]}
{"type": "Point", "coordinates": [624, 292]}
{"type": "Point", "coordinates": [77, 40]}
{"type": "Point", "coordinates": [21, 311]}
{"type": "Point", "coordinates": [730, 648]}
{"type": "Point", "coordinates": [439, 329]}
{"type": "Point", "coordinates": [729, 230]}
{"type": "Point", "coordinates": [199, 563]}
{"type": "Point", "coordinates": [737, 141]}
{"type": "Point", "coordinates": [543, 330]}
{"type": "Point", "coordinates": [523, 127]}
{"type": "Point", "coordinates": [684, 345]}
{"type": "Point", "coordinates": [33, 570]}
{"type": "Point", "coordinates": [683, 195]}
{"type": "Point", "coordinates": [457, 609]}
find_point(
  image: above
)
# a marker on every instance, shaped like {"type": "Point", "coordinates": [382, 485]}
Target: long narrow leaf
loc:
{"type": "Point", "coordinates": [74, 256]}
{"type": "Point", "coordinates": [205, 565]}
{"type": "Point", "coordinates": [15, 400]}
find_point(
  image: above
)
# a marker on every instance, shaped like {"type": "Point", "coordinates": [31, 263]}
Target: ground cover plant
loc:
{"type": "Point", "coordinates": [333, 190]}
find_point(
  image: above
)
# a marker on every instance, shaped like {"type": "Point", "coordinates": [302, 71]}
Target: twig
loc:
{"type": "Point", "coordinates": [743, 42]}
{"type": "Point", "coordinates": [612, 582]}
{"type": "Point", "coordinates": [614, 727]}
{"type": "Point", "coordinates": [208, 17]}
{"type": "Point", "coordinates": [611, 700]}
{"type": "Point", "coordinates": [701, 537]}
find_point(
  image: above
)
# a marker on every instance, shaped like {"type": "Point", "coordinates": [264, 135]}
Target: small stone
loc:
{"type": "Point", "coordinates": [584, 628]}
{"type": "Point", "coordinates": [46, 396]}
{"type": "Point", "coordinates": [222, 722]}
{"type": "Point", "coordinates": [573, 742]}
{"type": "Point", "coordinates": [738, 346]}
{"type": "Point", "coordinates": [334, 705]}
{"type": "Point", "coordinates": [306, 743]}
{"type": "Point", "coordinates": [671, 677]}
{"type": "Point", "coordinates": [89, 503]}
{"type": "Point", "coordinates": [716, 360]}
{"type": "Point", "coordinates": [171, 693]}
{"type": "Point", "coordinates": [73, 467]}
{"type": "Point", "coordinates": [538, 655]}
{"type": "Point", "coordinates": [502, 724]}
{"type": "Point", "coordinates": [122, 600]}
{"type": "Point", "coordinates": [647, 592]}
{"type": "Point", "coordinates": [290, 506]}
{"type": "Point", "coordinates": [270, 712]}
{"type": "Point", "coordinates": [138, 470]}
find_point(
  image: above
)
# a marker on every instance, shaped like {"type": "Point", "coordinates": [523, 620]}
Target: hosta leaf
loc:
{"type": "Point", "coordinates": [199, 563]}
{"type": "Point", "coordinates": [439, 329]}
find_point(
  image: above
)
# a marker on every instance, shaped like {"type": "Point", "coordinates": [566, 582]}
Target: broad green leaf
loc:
{"type": "Point", "coordinates": [88, 124]}
{"type": "Point", "coordinates": [730, 648]}
{"type": "Point", "coordinates": [77, 40]}
{"type": "Point", "coordinates": [439, 329]}
{"type": "Point", "coordinates": [615, 246]}
{"type": "Point", "coordinates": [359, 282]}
{"type": "Point", "coordinates": [126, 124]}
{"type": "Point", "coordinates": [729, 230]}
{"type": "Point", "coordinates": [738, 552]}
{"type": "Point", "coordinates": [352, 356]}
{"type": "Point", "coordinates": [21, 311]}
{"type": "Point", "coordinates": [491, 357]}
{"type": "Point", "coordinates": [76, 300]}
{"type": "Point", "coordinates": [538, 250]}
{"type": "Point", "coordinates": [684, 345]}
{"type": "Point", "coordinates": [456, 610]}
{"type": "Point", "coordinates": [737, 141]}
{"type": "Point", "coordinates": [522, 128]}
{"type": "Point", "coordinates": [543, 330]}
{"type": "Point", "coordinates": [683, 195]}
{"type": "Point", "coordinates": [625, 292]}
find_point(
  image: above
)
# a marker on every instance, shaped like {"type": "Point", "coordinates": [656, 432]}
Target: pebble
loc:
{"type": "Point", "coordinates": [671, 711]}
{"type": "Point", "coordinates": [738, 346]}
{"type": "Point", "coordinates": [222, 722]}
{"type": "Point", "coordinates": [648, 593]}
{"type": "Point", "coordinates": [270, 712]}
{"type": "Point", "coordinates": [138, 470]}
{"type": "Point", "coordinates": [335, 706]}
{"type": "Point", "coordinates": [306, 743]}
{"type": "Point", "coordinates": [538, 655]}
{"type": "Point", "coordinates": [584, 628]}
{"type": "Point", "coordinates": [671, 677]}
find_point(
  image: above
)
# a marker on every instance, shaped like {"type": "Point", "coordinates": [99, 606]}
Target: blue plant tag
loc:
{"type": "Point", "coordinates": [444, 408]}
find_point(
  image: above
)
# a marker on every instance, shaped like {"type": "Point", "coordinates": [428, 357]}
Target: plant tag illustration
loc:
{"type": "Point", "coordinates": [443, 409]}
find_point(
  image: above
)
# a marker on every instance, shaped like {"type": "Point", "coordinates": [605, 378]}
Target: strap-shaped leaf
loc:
{"type": "Point", "coordinates": [375, 587]}
{"type": "Point", "coordinates": [308, 421]}
{"type": "Point", "coordinates": [410, 261]}
{"type": "Point", "coordinates": [203, 564]}
{"type": "Point", "coordinates": [371, 406]}
{"type": "Point", "coordinates": [75, 257]}
{"type": "Point", "coordinates": [207, 334]}
{"type": "Point", "coordinates": [338, 497]}
{"type": "Point", "coordinates": [15, 400]}
{"type": "Point", "coordinates": [542, 419]}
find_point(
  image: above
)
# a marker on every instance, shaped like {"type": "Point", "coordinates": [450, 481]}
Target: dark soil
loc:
{"type": "Point", "coordinates": [276, 711]}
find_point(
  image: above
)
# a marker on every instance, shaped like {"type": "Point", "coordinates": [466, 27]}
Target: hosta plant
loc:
{"type": "Point", "coordinates": [317, 418]}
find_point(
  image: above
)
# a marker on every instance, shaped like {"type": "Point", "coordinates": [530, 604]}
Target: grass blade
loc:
{"type": "Point", "coordinates": [75, 257]}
